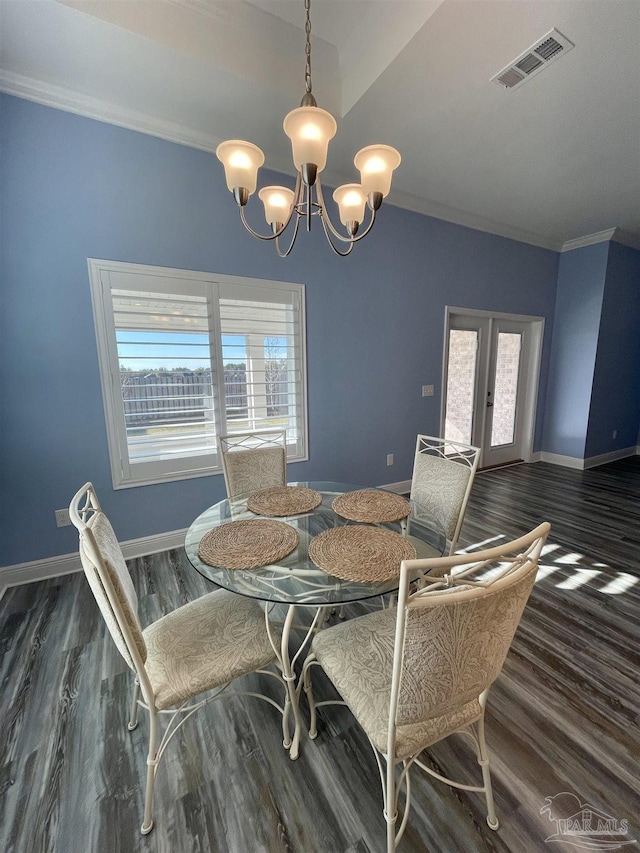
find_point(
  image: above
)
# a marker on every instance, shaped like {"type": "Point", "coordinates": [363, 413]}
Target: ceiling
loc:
{"type": "Point", "coordinates": [552, 161]}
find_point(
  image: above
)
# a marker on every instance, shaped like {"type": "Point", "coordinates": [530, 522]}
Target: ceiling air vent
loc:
{"type": "Point", "coordinates": [538, 56]}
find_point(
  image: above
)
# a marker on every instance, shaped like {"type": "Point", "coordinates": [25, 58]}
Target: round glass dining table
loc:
{"type": "Point", "coordinates": [295, 580]}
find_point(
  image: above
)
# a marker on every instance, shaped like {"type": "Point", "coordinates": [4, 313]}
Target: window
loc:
{"type": "Point", "coordinates": [187, 356]}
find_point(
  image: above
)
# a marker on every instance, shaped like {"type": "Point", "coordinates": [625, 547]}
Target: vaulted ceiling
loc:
{"type": "Point", "coordinates": [554, 159]}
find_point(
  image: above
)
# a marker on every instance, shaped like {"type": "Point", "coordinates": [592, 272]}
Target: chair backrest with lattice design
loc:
{"type": "Point", "coordinates": [452, 637]}
{"type": "Point", "coordinates": [443, 473]}
{"type": "Point", "coordinates": [106, 570]}
{"type": "Point", "coordinates": [253, 461]}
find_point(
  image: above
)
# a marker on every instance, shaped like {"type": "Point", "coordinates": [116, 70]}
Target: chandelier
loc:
{"type": "Point", "coordinates": [310, 129]}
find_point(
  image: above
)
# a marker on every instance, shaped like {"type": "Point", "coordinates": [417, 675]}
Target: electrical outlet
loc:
{"type": "Point", "coordinates": [615, 433]}
{"type": "Point", "coordinates": [389, 458]}
{"type": "Point", "coordinates": [62, 518]}
{"type": "Point", "coordinates": [427, 390]}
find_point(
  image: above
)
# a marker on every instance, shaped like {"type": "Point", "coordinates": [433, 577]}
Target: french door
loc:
{"type": "Point", "coordinates": [491, 378]}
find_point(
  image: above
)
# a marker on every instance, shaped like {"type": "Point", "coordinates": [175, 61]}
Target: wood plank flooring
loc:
{"type": "Point", "coordinates": [562, 717]}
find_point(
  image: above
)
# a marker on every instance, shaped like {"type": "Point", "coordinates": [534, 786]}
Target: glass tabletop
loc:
{"type": "Point", "coordinates": [295, 579]}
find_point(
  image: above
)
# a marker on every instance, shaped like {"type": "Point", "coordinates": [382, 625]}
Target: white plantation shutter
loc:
{"type": "Point", "coordinates": [168, 411]}
{"type": "Point", "coordinates": [185, 357]}
{"type": "Point", "coordinates": [269, 322]}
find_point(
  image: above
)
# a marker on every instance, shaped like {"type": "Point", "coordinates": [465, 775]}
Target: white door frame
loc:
{"type": "Point", "coordinates": [532, 376]}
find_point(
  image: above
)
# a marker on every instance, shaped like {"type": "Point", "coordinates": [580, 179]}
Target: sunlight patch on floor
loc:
{"type": "Point", "coordinates": [621, 584]}
{"type": "Point", "coordinates": [545, 571]}
{"type": "Point", "coordinates": [492, 542]}
{"type": "Point", "coordinates": [579, 578]}
{"type": "Point", "coordinates": [613, 583]}
{"type": "Point", "coordinates": [569, 559]}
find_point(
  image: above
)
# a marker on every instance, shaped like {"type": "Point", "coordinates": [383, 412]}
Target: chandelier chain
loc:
{"type": "Point", "coordinates": [307, 48]}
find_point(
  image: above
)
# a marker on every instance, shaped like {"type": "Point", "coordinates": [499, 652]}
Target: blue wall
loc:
{"type": "Point", "coordinates": [615, 398]}
{"type": "Point", "coordinates": [73, 188]}
{"type": "Point", "coordinates": [581, 281]}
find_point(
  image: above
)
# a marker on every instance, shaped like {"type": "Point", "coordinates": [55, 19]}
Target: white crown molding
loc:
{"type": "Point", "coordinates": [617, 235]}
{"type": "Point", "coordinates": [588, 240]}
{"type": "Point", "coordinates": [407, 201]}
{"type": "Point", "coordinates": [68, 100]}
{"type": "Point", "coordinates": [73, 102]}
{"type": "Point", "coordinates": [65, 564]}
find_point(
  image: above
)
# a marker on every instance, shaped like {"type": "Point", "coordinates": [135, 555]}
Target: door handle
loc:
{"type": "Point", "coordinates": [489, 405]}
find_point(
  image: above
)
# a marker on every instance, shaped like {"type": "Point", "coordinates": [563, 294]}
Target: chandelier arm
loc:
{"type": "Point", "coordinates": [293, 239]}
{"type": "Point", "coordinates": [364, 233]}
{"type": "Point", "coordinates": [330, 241]}
{"type": "Point", "coordinates": [296, 200]}
{"type": "Point", "coordinates": [326, 221]}
{"type": "Point", "coordinates": [255, 233]}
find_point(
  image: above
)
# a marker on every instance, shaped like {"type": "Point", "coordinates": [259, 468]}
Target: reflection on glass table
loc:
{"type": "Point", "coordinates": [295, 580]}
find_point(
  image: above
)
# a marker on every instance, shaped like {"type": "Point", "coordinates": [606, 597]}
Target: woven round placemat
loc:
{"type": "Point", "coordinates": [247, 544]}
{"type": "Point", "coordinates": [284, 500]}
{"type": "Point", "coordinates": [362, 553]}
{"type": "Point", "coordinates": [370, 505]}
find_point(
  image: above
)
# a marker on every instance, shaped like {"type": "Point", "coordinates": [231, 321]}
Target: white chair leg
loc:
{"type": "Point", "coordinates": [286, 733]}
{"type": "Point", "coordinates": [133, 716]}
{"type": "Point", "coordinates": [308, 689]}
{"type": "Point", "coordinates": [483, 761]}
{"type": "Point", "coordinates": [152, 765]}
{"type": "Point", "coordinates": [390, 813]}
{"type": "Point", "coordinates": [289, 677]}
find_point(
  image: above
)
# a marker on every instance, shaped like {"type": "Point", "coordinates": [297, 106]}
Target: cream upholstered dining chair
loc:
{"type": "Point", "coordinates": [416, 674]}
{"type": "Point", "coordinates": [203, 645]}
{"type": "Point", "coordinates": [253, 461]}
{"type": "Point", "coordinates": [443, 473]}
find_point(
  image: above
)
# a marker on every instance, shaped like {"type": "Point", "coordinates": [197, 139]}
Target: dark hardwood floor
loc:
{"type": "Point", "coordinates": [562, 717]}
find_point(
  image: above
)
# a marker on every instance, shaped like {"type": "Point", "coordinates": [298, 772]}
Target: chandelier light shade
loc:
{"type": "Point", "coordinates": [376, 164]}
{"type": "Point", "coordinates": [241, 162]}
{"type": "Point", "coordinates": [351, 201]}
{"type": "Point", "coordinates": [310, 130]}
{"type": "Point", "coordinates": [278, 202]}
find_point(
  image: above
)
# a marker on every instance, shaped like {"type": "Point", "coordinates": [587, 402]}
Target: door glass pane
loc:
{"type": "Point", "coordinates": [506, 388]}
{"type": "Point", "coordinates": [461, 381]}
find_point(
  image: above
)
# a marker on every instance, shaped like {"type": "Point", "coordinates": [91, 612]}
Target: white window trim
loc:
{"type": "Point", "coordinates": [122, 472]}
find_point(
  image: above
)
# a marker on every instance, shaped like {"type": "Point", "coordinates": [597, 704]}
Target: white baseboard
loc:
{"type": "Point", "coordinates": [589, 462]}
{"type": "Point", "coordinates": [400, 488]}
{"type": "Point", "coordinates": [65, 564]}
{"type": "Point", "coordinates": [564, 461]}
{"type": "Point", "coordinates": [603, 458]}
